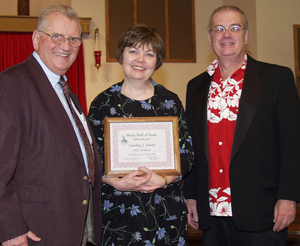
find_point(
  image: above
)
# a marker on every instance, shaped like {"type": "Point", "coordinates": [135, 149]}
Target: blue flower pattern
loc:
{"type": "Point", "coordinates": [148, 243]}
{"type": "Point", "coordinates": [170, 104]}
{"type": "Point", "coordinates": [134, 210]}
{"type": "Point", "coordinates": [181, 241]}
{"type": "Point", "coordinates": [157, 199]}
{"type": "Point", "coordinates": [107, 205]}
{"type": "Point", "coordinates": [133, 218]}
{"type": "Point", "coordinates": [113, 111]}
{"type": "Point", "coordinates": [122, 210]}
{"type": "Point", "coordinates": [173, 217]}
{"type": "Point", "coordinates": [146, 105]}
{"type": "Point", "coordinates": [161, 233]}
{"type": "Point", "coordinates": [115, 88]}
{"type": "Point", "coordinates": [137, 236]}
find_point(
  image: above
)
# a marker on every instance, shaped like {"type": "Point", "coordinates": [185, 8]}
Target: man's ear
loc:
{"type": "Point", "coordinates": [36, 39]}
{"type": "Point", "coordinates": [246, 37]}
{"type": "Point", "coordinates": [209, 38]}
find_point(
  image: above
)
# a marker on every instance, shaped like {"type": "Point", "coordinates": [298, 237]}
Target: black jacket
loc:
{"type": "Point", "coordinates": [265, 156]}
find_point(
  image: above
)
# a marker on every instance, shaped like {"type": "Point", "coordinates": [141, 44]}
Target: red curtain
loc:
{"type": "Point", "coordinates": [76, 78]}
{"type": "Point", "coordinates": [15, 47]}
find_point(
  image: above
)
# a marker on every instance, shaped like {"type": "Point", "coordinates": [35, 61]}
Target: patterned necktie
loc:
{"type": "Point", "coordinates": [90, 156]}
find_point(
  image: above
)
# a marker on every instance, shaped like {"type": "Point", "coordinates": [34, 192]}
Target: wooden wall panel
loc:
{"type": "Point", "coordinates": [120, 15]}
{"type": "Point", "coordinates": [173, 19]}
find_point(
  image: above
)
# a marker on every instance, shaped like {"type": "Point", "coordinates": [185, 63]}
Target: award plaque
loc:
{"type": "Point", "coordinates": [134, 142]}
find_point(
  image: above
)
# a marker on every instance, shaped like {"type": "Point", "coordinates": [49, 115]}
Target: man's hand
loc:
{"type": "Point", "coordinates": [21, 240]}
{"type": "Point", "coordinates": [193, 214]}
{"type": "Point", "coordinates": [284, 214]}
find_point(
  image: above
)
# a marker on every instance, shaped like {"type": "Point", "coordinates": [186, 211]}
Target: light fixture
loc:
{"type": "Point", "coordinates": [97, 48]}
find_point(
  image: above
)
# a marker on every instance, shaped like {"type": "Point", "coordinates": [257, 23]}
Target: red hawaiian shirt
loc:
{"type": "Point", "coordinates": [222, 110]}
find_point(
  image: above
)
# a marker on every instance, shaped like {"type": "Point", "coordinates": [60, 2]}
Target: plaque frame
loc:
{"type": "Point", "coordinates": [114, 126]}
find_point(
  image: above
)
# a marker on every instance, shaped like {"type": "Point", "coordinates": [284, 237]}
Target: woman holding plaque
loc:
{"type": "Point", "coordinates": [142, 207]}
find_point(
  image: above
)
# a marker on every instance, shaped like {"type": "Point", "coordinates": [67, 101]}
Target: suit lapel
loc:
{"type": "Point", "coordinates": [54, 106]}
{"type": "Point", "coordinates": [253, 86]}
{"type": "Point", "coordinates": [201, 112]}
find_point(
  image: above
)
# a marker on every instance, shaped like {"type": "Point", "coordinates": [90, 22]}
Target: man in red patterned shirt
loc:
{"type": "Point", "coordinates": [244, 117]}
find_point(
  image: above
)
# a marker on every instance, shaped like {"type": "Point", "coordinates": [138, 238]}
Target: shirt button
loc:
{"type": "Point", "coordinates": [220, 143]}
{"type": "Point", "coordinates": [85, 202]}
{"type": "Point", "coordinates": [85, 177]}
{"type": "Point", "coordinates": [221, 170]}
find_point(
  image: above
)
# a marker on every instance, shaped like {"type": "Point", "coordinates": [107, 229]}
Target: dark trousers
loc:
{"type": "Point", "coordinates": [224, 233]}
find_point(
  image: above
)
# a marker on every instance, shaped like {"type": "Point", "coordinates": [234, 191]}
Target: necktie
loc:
{"type": "Point", "coordinates": [90, 156]}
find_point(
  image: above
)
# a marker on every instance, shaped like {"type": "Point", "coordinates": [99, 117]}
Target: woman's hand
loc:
{"type": "Point", "coordinates": [157, 181]}
{"type": "Point", "coordinates": [143, 180]}
{"type": "Point", "coordinates": [133, 181]}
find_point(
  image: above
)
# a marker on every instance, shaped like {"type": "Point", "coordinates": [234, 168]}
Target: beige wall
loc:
{"type": "Point", "coordinates": [271, 39]}
{"type": "Point", "coordinates": [275, 20]}
{"type": "Point", "coordinates": [37, 5]}
{"type": "Point", "coordinates": [9, 7]}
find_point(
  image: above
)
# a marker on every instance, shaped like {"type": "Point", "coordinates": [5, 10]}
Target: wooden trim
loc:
{"type": "Point", "coordinates": [23, 23]}
{"type": "Point", "coordinates": [107, 30]}
{"type": "Point", "coordinates": [296, 50]}
{"type": "Point", "coordinates": [180, 60]}
{"type": "Point", "coordinates": [167, 27]}
{"type": "Point", "coordinates": [23, 7]}
{"type": "Point", "coordinates": [85, 24]}
{"type": "Point", "coordinates": [296, 56]}
{"type": "Point", "coordinates": [194, 32]}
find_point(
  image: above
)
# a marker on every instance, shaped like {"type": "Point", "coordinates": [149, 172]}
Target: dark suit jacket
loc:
{"type": "Point", "coordinates": [42, 184]}
{"type": "Point", "coordinates": [265, 156]}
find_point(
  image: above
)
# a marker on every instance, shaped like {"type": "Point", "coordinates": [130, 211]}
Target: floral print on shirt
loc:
{"type": "Point", "coordinates": [222, 109]}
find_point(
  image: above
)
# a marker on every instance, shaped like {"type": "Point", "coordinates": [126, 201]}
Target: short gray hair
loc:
{"type": "Point", "coordinates": [60, 8]}
{"type": "Point", "coordinates": [228, 8]}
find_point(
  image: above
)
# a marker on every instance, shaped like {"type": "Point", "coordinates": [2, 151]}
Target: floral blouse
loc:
{"type": "Point", "coordinates": [134, 218]}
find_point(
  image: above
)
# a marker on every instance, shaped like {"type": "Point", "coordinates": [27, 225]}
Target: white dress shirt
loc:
{"type": "Point", "coordinates": [53, 79]}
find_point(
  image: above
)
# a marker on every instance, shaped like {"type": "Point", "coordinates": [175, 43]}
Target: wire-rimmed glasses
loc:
{"type": "Point", "coordinates": [58, 38]}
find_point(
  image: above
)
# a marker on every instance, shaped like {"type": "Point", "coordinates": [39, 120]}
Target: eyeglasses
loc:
{"type": "Point", "coordinates": [231, 29]}
{"type": "Point", "coordinates": [59, 39]}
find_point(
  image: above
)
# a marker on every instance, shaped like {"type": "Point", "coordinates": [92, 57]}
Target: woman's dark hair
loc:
{"type": "Point", "coordinates": [141, 34]}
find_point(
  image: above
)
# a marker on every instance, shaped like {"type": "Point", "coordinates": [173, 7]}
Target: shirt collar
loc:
{"type": "Point", "coordinates": [52, 77]}
{"type": "Point", "coordinates": [213, 66]}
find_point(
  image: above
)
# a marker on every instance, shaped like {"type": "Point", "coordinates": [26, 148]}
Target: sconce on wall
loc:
{"type": "Point", "coordinates": [97, 48]}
